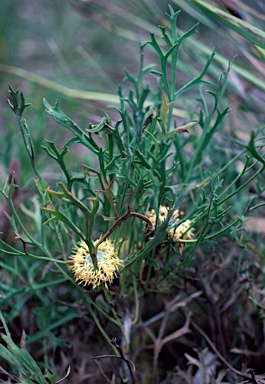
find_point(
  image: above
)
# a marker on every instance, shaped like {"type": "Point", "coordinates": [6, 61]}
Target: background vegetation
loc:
{"type": "Point", "coordinates": [195, 316]}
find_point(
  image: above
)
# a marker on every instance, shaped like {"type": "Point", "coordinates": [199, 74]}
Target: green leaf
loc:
{"type": "Point", "coordinates": [252, 149]}
{"type": "Point", "coordinates": [198, 79]}
{"type": "Point", "coordinates": [238, 25]}
{"type": "Point", "coordinates": [61, 322]}
{"type": "Point", "coordinates": [65, 121]}
{"type": "Point", "coordinates": [29, 372]}
{"type": "Point", "coordinates": [142, 159]}
{"type": "Point", "coordinates": [59, 216]}
{"type": "Point", "coordinates": [18, 110]}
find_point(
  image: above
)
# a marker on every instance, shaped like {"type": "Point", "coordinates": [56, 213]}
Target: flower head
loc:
{"type": "Point", "coordinates": [162, 214]}
{"type": "Point", "coordinates": [181, 232]}
{"type": "Point", "coordinates": [83, 268]}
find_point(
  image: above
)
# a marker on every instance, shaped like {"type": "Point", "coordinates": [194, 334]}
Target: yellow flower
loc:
{"type": "Point", "coordinates": [83, 269]}
{"type": "Point", "coordinates": [163, 212]}
{"type": "Point", "coordinates": [151, 216]}
{"type": "Point", "coordinates": [182, 232]}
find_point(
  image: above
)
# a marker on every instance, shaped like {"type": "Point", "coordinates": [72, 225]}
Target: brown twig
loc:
{"type": "Point", "coordinates": [252, 376]}
{"type": "Point", "coordinates": [102, 372]}
{"type": "Point", "coordinates": [129, 363]}
{"type": "Point", "coordinates": [66, 375]}
{"type": "Point", "coordinates": [124, 217]}
{"type": "Point", "coordinates": [160, 341]}
{"type": "Point", "coordinates": [252, 373]}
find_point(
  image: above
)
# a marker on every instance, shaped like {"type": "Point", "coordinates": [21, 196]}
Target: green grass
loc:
{"type": "Point", "coordinates": [176, 135]}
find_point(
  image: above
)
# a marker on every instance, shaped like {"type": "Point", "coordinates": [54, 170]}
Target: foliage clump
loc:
{"type": "Point", "coordinates": [108, 248]}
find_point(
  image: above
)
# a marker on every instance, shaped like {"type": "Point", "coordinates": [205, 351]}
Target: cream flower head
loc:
{"type": "Point", "coordinates": [181, 232]}
{"type": "Point", "coordinates": [162, 214]}
{"type": "Point", "coordinates": [83, 268]}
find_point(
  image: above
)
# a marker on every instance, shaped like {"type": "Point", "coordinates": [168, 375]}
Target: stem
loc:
{"type": "Point", "coordinates": [124, 217]}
